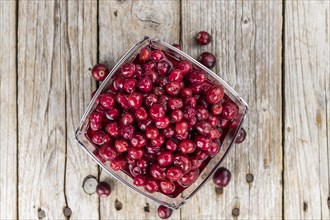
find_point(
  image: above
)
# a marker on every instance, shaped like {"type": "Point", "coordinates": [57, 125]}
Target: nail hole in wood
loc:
{"type": "Point", "coordinates": [67, 212]}
{"type": "Point", "coordinates": [218, 190]}
{"type": "Point", "coordinates": [249, 178]}
{"type": "Point", "coordinates": [118, 205]}
{"type": "Point", "coordinates": [305, 206]}
{"type": "Point", "coordinates": [89, 184]}
{"type": "Point", "coordinates": [235, 212]}
{"type": "Point", "coordinates": [147, 208]}
{"type": "Point", "coordinates": [41, 214]}
{"type": "Point", "coordinates": [115, 13]}
{"type": "Point", "coordinates": [288, 129]}
{"type": "Point", "coordinates": [329, 202]}
{"type": "Point", "coordinates": [245, 21]}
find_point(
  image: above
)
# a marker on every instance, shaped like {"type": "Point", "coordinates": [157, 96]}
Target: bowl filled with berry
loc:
{"type": "Point", "coordinates": [161, 122]}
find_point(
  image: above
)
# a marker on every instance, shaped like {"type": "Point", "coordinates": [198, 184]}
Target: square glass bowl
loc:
{"type": "Point", "coordinates": [215, 161]}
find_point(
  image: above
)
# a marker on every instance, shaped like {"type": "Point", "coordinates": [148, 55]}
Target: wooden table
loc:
{"type": "Point", "coordinates": [274, 53]}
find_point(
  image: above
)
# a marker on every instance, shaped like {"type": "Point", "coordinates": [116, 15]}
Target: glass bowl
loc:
{"type": "Point", "coordinates": [215, 161]}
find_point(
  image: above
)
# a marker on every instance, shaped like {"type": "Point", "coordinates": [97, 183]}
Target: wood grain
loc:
{"type": "Point", "coordinates": [247, 44]}
{"type": "Point", "coordinates": [122, 24]}
{"type": "Point", "coordinates": [79, 51]}
{"type": "Point", "coordinates": [8, 114]}
{"type": "Point", "coordinates": [307, 64]}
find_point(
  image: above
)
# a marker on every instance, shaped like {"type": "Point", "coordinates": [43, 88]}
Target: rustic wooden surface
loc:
{"type": "Point", "coordinates": [275, 54]}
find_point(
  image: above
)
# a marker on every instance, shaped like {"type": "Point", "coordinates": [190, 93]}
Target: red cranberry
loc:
{"type": "Point", "coordinates": [186, 92]}
{"type": "Point", "coordinates": [196, 77]}
{"type": "Point", "coordinates": [103, 189]}
{"type": "Point", "coordinates": [175, 75]}
{"type": "Point", "coordinates": [135, 170]}
{"type": "Point", "coordinates": [158, 141]}
{"type": "Point", "coordinates": [96, 117]}
{"type": "Point", "coordinates": [189, 113]}
{"type": "Point", "coordinates": [127, 118]}
{"type": "Point", "coordinates": [203, 128]}
{"type": "Point", "coordinates": [224, 123]}
{"type": "Point", "coordinates": [136, 153]}
{"type": "Point", "coordinates": [152, 150]}
{"type": "Point", "coordinates": [107, 139]}
{"type": "Point", "coordinates": [157, 172]}
{"type": "Point", "coordinates": [100, 72]}
{"type": "Point", "coordinates": [165, 158]}
{"type": "Point", "coordinates": [122, 100]}
{"type": "Point", "coordinates": [145, 85]}
{"type": "Point", "coordinates": [185, 67]}
{"type": "Point", "coordinates": [163, 122]}
{"type": "Point", "coordinates": [175, 103]}
{"type": "Point", "coordinates": [163, 67]}
{"type": "Point", "coordinates": [157, 111]}
{"type": "Point", "coordinates": [167, 187]}
{"type": "Point", "coordinates": [229, 111]}
{"type": "Point", "coordinates": [187, 146]}
{"type": "Point", "coordinates": [129, 85]}
{"type": "Point", "coordinates": [113, 113]}
{"type": "Point", "coordinates": [121, 145]}
{"type": "Point", "coordinates": [169, 131]}
{"type": "Point", "coordinates": [171, 145]}
{"type": "Point", "coordinates": [107, 100]}
{"type": "Point", "coordinates": [195, 162]}
{"type": "Point", "coordinates": [216, 109]}
{"type": "Point", "coordinates": [181, 127]}
{"type": "Point", "coordinates": [203, 38]}
{"type": "Point", "coordinates": [151, 185]}
{"type": "Point", "coordinates": [215, 133]}
{"type": "Point", "coordinates": [127, 70]}
{"type": "Point", "coordinates": [157, 55]}
{"type": "Point", "coordinates": [207, 59]}
{"type": "Point", "coordinates": [141, 113]}
{"type": "Point", "coordinates": [145, 54]}
{"type": "Point", "coordinates": [174, 173]}
{"type": "Point", "coordinates": [240, 136]}
{"type": "Point", "coordinates": [113, 129]}
{"type": "Point", "coordinates": [138, 140]}
{"type": "Point", "coordinates": [139, 180]}
{"type": "Point", "coordinates": [108, 152]}
{"type": "Point", "coordinates": [201, 155]}
{"type": "Point", "coordinates": [130, 160]}
{"type": "Point", "coordinates": [152, 133]}
{"type": "Point", "coordinates": [138, 71]}
{"type": "Point", "coordinates": [150, 99]}
{"type": "Point", "coordinates": [173, 88]}
{"type": "Point", "coordinates": [202, 113]}
{"type": "Point", "coordinates": [118, 163]}
{"type": "Point", "coordinates": [221, 177]}
{"type": "Point", "coordinates": [215, 94]}
{"type": "Point", "coordinates": [119, 83]}
{"type": "Point", "coordinates": [163, 101]}
{"type": "Point", "coordinates": [189, 178]}
{"type": "Point", "coordinates": [202, 142]}
{"type": "Point", "coordinates": [182, 136]}
{"type": "Point", "coordinates": [95, 126]}
{"type": "Point", "coordinates": [159, 91]}
{"type": "Point", "coordinates": [190, 101]}
{"type": "Point", "coordinates": [127, 132]}
{"type": "Point", "coordinates": [162, 81]}
{"type": "Point", "coordinates": [148, 66]}
{"type": "Point", "coordinates": [214, 149]}
{"type": "Point", "coordinates": [164, 212]}
{"type": "Point", "coordinates": [213, 120]}
{"type": "Point", "coordinates": [142, 163]}
{"type": "Point", "coordinates": [177, 46]}
{"type": "Point", "coordinates": [143, 125]}
{"type": "Point", "coordinates": [177, 115]}
{"type": "Point", "coordinates": [135, 100]}
{"type": "Point", "coordinates": [182, 161]}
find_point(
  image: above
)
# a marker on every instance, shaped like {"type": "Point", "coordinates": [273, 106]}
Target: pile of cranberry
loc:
{"type": "Point", "coordinates": [161, 121]}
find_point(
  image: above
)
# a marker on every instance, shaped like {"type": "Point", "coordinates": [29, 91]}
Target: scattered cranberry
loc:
{"type": "Point", "coordinates": [103, 189]}
{"type": "Point", "coordinates": [207, 59]}
{"type": "Point", "coordinates": [240, 136]}
{"type": "Point", "coordinates": [100, 72]}
{"type": "Point", "coordinates": [221, 177]}
{"type": "Point", "coordinates": [203, 38]}
{"type": "Point", "coordinates": [164, 212]}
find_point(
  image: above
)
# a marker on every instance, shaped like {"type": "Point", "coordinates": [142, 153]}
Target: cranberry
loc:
{"type": "Point", "coordinates": [203, 128]}
{"type": "Point", "coordinates": [164, 212]}
{"type": "Point", "coordinates": [152, 150]}
{"type": "Point", "coordinates": [122, 100]}
{"type": "Point", "coordinates": [129, 85]}
{"type": "Point", "coordinates": [201, 155]}
{"type": "Point", "coordinates": [175, 103]}
{"type": "Point", "coordinates": [229, 111]}
{"type": "Point", "coordinates": [187, 146]}
{"type": "Point", "coordinates": [163, 122]}
{"type": "Point", "coordinates": [207, 59]}
{"type": "Point", "coordinates": [162, 81]}
{"type": "Point", "coordinates": [182, 136]}
{"type": "Point", "coordinates": [143, 125]}
{"type": "Point", "coordinates": [100, 72]}
{"type": "Point", "coordinates": [108, 152]}
{"type": "Point", "coordinates": [167, 187]}
{"type": "Point", "coordinates": [127, 70]}
{"type": "Point", "coordinates": [138, 71]}
{"type": "Point", "coordinates": [202, 142]}
{"type": "Point", "coordinates": [169, 131]}
{"type": "Point", "coordinates": [145, 85]}
{"type": "Point", "coordinates": [141, 113]}
{"type": "Point", "coordinates": [181, 127]}
{"type": "Point", "coordinates": [175, 75]}
{"type": "Point", "coordinates": [139, 180]}
{"type": "Point", "coordinates": [119, 83]}
{"type": "Point", "coordinates": [127, 118]}
{"type": "Point", "coordinates": [224, 123]}
{"type": "Point", "coordinates": [215, 94]}
{"type": "Point", "coordinates": [196, 77]}
{"type": "Point", "coordinates": [189, 178]}
{"type": "Point", "coordinates": [135, 170]}
{"type": "Point", "coordinates": [113, 113]}
{"type": "Point", "coordinates": [107, 100]}
{"type": "Point", "coordinates": [177, 115]}
{"type": "Point", "coordinates": [174, 173]}
{"type": "Point", "coordinates": [127, 131]}
{"type": "Point", "coordinates": [240, 136]}
{"type": "Point", "coordinates": [157, 172]}
{"type": "Point", "coordinates": [192, 121]}
{"type": "Point", "coordinates": [173, 88]}
{"type": "Point", "coordinates": [190, 101]}
{"type": "Point", "coordinates": [185, 67]}
{"type": "Point", "coordinates": [165, 158]}
{"type": "Point", "coordinates": [151, 185]}
{"type": "Point", "coordinates": [150, 99]}
{"type": "Point", "coordinates": [216, 109]}
{"type": "Point", "coordinates": [215, 133]}
{"type": "Point", "coordinates": [159, 91]}
{"type": "Point", "coordinates": [202, 113]}
{"type": "Point", "coordinates": [157, 111]}
{"type": "Point", "coordinates": [182, 161]}
{"type": "Point", "coordinates": [171, 145]}
{"type": "Point", "coordinates": [213, 120]}
{"type": "Point", "coordinates": [96, 117]}
{"type": "Point", "coordinates": [121, 145]}
{"type": "Point", "coordinates": [95, 125]}
{"type": "Point", "coordinates": [186, 92]}
{"type": "Point", "coordinates": [136, 153]}
{"type": "Point", "coordinates": [118, 163]}
{"type": "Point", "coordinates": [142, 163]}
{"type": "Point", "coordinates": [130, 160]}
{"type": "Point", "coordinates": [138, 140]}
{"type": "Point", "coordinates": [145, 54]}
{"type": "Point", "coordinates": [152, 133]}
{"type": "Point", "coordinates": [148, 66]}
{"type": "Point", "coordinates": [214, 149]}
{"type": "Point", "coordinates": [103, 189]}
{"type": "Point", "coordinates": [189, 112]}
{"type": "Point", "coordinates": [221, 177]}
{"type": "Point", "coordinates": [157, 55]}
{"type": "Point", "coordinates": [203, 38]}
{"type": "Point", "coordinates": [135, 100]}
{"type": "Point", "coordinates": [163, 101]}
{"type": "Point", "coordinates": [177, 46]}
{"type": "Point", "coordinates": [107, 139]}
{"type": "Point", "coordinates": [195, 162]}
{"type": "Point", "coordinates": [158, 141]}
{"type": "Point", "coordinates": [113, 129]}
{"type": "Point", "coordinates": [163, 67]}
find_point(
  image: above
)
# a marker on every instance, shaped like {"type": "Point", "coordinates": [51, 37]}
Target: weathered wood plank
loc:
{"type": "Point", "coordinates": [247, 44]}
{"type": "Point", "coordinates": [8, 114]}
{"type": "Point", "coordinates": [307, 64]}
{"type": "Point", "coordinates": [41, 109]}
{"type": "Point", "coordinates": [122, 24]}
{"type": "Point", "coordinates": [80, 50]}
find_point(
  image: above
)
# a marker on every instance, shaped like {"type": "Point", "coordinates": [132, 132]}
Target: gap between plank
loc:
{"type": "Point", "coordinates": [17, 131]}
